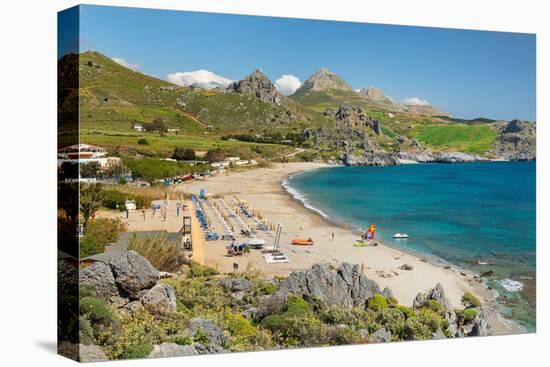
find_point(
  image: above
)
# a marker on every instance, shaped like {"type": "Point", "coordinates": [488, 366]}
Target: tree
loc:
{"type": "Point", "coordinates": [157, 125]}
{"type": "Point", "coordinates": [184, 154]}
{"type": "Point", "coordinates": [215, 155]}
{"type": "Point", "coordinates": [89, 169]}
{"type": "Point", "coordinates": [90, 200]}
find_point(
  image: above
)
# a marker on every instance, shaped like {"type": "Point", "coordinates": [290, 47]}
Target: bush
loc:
{"type": "Point", "coordinates": [143, 141]}
{"type": "Point", "coordinates": [182, 340]}
{"type": "Point", "coordinates": [197, 270]}
{"type": "Point", "coordinates": [296, 306]}
{"type": "Point", "coordinates": [90, 246]}
{"type": "Point", "coordinates": [239, 326]}
{"type": "Point", "coordinates": [469, 300]}
{"type": "Point", "coordinates": [163, 254]}
{"type": "Point", "coordinates": [183, 154]}
{"type": "Point", "coordinates": [337, 315]}
{"type": "Point", "coordinates": [268, 288]}
{"type": "Point", "coordinates": [97, 311]}
{"type": "Point", "coordinates": [435, 306]}
{"type": "Point", "coordinates": [377, 302]}
{"type": "Point", "coordinates": [105, 230]}
{"type": "Point", "coordinates": [114, 199]}
{"type": "Point", "coordinates": [469, 314]}
{"type": "Point", "coordinates": [139, 350]}
{"type": "Point", "coordinates": [407, 311]}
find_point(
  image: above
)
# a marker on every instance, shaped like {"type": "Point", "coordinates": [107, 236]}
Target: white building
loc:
{"type": "Point", "coordinates": [84, 154]}
{"type": "Point", "coordinates": [138, 127]}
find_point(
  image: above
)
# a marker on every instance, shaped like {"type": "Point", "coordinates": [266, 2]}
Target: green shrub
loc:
{"type": "Point", "coordinates": [182, 339]}
{"type": "Point", "coordinates": [197, 270]}
{"type": "Point", "coordinates": [98, 233]}
{"type": "Point", "coordinates": [105, 230]}
{"type": "Point", "coordinates": [86, 331]}
{"type": "Point", "coordinates": [239, 326]}
{"type": "Point", "coordinates": [96, 310]}
{"type": "Point", "coordinates": [143, 141]}
{"type": "Point", "coordinates": [407, 311]}
{"type": "Point", "coordinates": [337, 315]}
{"type": "Point", "coordinates": [138, 350]}
{"type": "Point", "coordinates": [431, 319]}
{"type": "Point", "coordinates": [163, 254]}
{"type": "Point", "coordinates": [114, 199]}
{"type": "Point", "coordinates": [470, 314]}
{"type": "Point", "coordinates": [296, 306]}
{"type": "Point", "coordinates": [435, 306]}
{"type": "Point", "coordinates": [469, 300]}
{"type": "Point", "coordinates": [90, 246]}
{"type": "Point", "coordinates": [201, 336]}
{"type": "Point", "coordinates": [268, 288]}
{"type": "Point", "coordinates": [414, 329]}
{"type": "Point", "coordinates": [377, 302]}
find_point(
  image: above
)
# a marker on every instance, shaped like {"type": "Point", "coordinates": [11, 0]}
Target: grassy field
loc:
{"type": "Point", "coordinates": [466, 138]}
{"type": "Point", "coordinates": [163, 146]}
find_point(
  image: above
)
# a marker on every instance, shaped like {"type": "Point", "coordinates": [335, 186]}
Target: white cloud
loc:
{"type": "Point", "coordinates": [413, 101]}
{"type": "Point", "coordinates": [287, 84]}
{"type": "Point", "coordinates": [126, 64]}
{"type": "Point", "coordinates": [199, 78]}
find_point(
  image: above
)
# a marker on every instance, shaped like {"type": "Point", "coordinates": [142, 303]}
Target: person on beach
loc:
{"type": "Point", "coordinates": [332, 236]}
{"type": "Point", "coordinates": [143, 212]}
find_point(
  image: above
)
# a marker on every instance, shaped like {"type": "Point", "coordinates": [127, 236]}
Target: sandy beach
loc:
{"type": "Point", "coordinates": [262, 190]}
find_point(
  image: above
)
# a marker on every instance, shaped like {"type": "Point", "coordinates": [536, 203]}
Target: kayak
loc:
{"type": "Point", "coordinates": [302, 242]}
{"type": "Point", "coordinates": [361, 244]}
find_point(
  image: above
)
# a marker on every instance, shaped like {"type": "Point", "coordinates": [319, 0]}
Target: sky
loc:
{"type": "Point", "coordinates": [467, 73]}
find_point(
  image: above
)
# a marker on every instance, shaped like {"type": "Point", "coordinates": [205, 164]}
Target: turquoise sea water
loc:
{"type": "Point", "coordinates": [462, 213]}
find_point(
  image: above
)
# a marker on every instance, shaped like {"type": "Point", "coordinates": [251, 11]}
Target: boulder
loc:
{"type": "Point", "coordinates": [381, 336]}
{"type": "Point", "coordinates": [100, 276]}
{"type": "Point", "coordinates": [481, 326]}
{"type": "Point", "coordinates": [437, 294]}
{"type": "Point", "coordinates": [133, 273]}
{"type": "Point", "coordinates": [236, 284]}
{"type": "Point", "coordinates": [172, 350]}
{"type": "Point", "coordinates": [215, 336]}
{"type": "Point", "coordinates": [159, 300]}
{"type": "Point", "coordinates": [91, 353]}
{"type": "Point", "coordinates": [388, 293]}
{"type": "Point", "coordinates": [346, 286]}
{"type": "Point", "coordinates": [406, 267]}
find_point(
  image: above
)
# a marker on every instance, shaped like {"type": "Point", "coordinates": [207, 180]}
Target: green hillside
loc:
{"type": "Point", "coordinates": [464, 138]}
{"type": "Point", "coordinates": [114, 98]}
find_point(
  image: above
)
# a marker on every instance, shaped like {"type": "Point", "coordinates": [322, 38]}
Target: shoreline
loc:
{"type": "Point", "coordinates": [264, 190]}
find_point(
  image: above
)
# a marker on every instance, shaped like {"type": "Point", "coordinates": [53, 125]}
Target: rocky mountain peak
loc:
{"type": "Point", "coordinates": [259, 85]}
{"type": "Point", "coordinates": [376, 94]}
{"type": "Point", "coordinates": [324, 80]}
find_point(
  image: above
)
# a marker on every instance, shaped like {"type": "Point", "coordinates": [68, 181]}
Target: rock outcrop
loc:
{"type": "Point", "coordinates": [129, 282]}
{"type": "Point", "coordinates": [366, 158]}
{"type": "Point", "coordinates": [517, 141]}
{"type": "Point", "coordinates": [355, 117]}
{"type": "Point", "coordinates": [216, 340]}
{"type": "Point", "coordinates": [436, 294]}
{"type": "Point", "coordinates": [236, 284]}
{"type": "Point", "coordinates": [346, 286]}
{"type": "Point", "coordinates": [91, 353]}
{"type": "Point", "coordinates": [100, 276]}
{"type": "Point", "coordinates": [159, 300]}
{"type": "Point", "coordinates": [166, 350]}
{"type": "Point", "coordinates": [133, 273]}
{"type": "Point", "coordinates": [259, 85]}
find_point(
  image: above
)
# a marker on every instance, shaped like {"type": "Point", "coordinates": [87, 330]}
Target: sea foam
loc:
{"type": "Point", "coordinates": [298, 196]}
{"type": "Point", "coordinates": [511, 285]}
